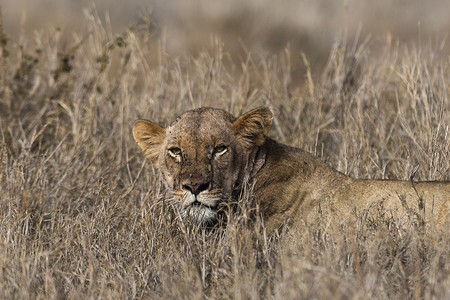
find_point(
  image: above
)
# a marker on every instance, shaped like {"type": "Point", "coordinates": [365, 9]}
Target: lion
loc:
{"type": "Point", "coordinates": [207, 156]}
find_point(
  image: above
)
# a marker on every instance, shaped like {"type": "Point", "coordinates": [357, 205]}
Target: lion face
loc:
{"type": "Point", "coordinates": [203, 155]}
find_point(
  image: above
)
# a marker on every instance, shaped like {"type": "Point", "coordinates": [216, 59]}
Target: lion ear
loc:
{"type": "Point", "coordinates": [149, 137]}
{"type": "Point", "coordinates": [253, 126]}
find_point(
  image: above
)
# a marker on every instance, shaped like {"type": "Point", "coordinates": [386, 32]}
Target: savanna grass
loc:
{"type": "Point", "coordinates": [83, 213]}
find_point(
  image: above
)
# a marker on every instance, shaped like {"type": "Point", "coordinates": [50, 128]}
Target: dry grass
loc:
{"type": "Point", "coordinates": [82, 213]}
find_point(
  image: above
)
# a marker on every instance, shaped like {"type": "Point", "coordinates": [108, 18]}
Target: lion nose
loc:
{"type": "Point", "coordinates": [196, 187]}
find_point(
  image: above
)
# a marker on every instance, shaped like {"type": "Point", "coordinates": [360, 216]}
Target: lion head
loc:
{"type": "Point", "coordinates": [204, 155]}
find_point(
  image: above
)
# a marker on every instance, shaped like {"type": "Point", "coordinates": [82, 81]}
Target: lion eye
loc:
{"type": "Point", "coordinates": [174, 151]}
{"type": "Point", "coordinates": [219, 150]}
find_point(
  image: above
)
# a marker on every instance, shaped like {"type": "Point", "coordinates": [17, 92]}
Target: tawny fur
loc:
{"type": "Point", "coordinates": [291, 186]}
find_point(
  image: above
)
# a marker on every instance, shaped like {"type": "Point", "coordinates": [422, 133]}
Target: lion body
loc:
{"type": "Point", "coordinates": [294, 186]}
{"type": "Point", "coordinates": [206, 157]}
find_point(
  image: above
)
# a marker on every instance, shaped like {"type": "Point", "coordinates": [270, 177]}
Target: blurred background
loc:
{"type": "Point", "coordinates": [260, 27]}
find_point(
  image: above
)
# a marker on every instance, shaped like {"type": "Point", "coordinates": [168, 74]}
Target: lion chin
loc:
{"type": "Point", "coordinates": [200, 214]}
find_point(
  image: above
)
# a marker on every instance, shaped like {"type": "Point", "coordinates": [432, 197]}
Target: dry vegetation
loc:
{"type": "Point", "coordinates": [82, 212]}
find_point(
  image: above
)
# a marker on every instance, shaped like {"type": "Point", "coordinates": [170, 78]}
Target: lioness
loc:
{"type": "Point", "coordinates": [206, 155]}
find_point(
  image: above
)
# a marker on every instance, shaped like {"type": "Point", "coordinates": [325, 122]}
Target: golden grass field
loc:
{"type": "Point", "coordinates": [82, 211]}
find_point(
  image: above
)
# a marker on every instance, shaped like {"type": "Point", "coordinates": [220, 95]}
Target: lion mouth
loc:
{"type": "Point", "coordinates": [202, 208]}
{"type": "Point", "coordinates": [197, 203]}
{"type": "Point", "coordinates": [190, 200]}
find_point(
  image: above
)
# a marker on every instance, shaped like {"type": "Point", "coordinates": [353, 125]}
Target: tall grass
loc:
{"type": "Point", "coordinates": [83, 214]}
